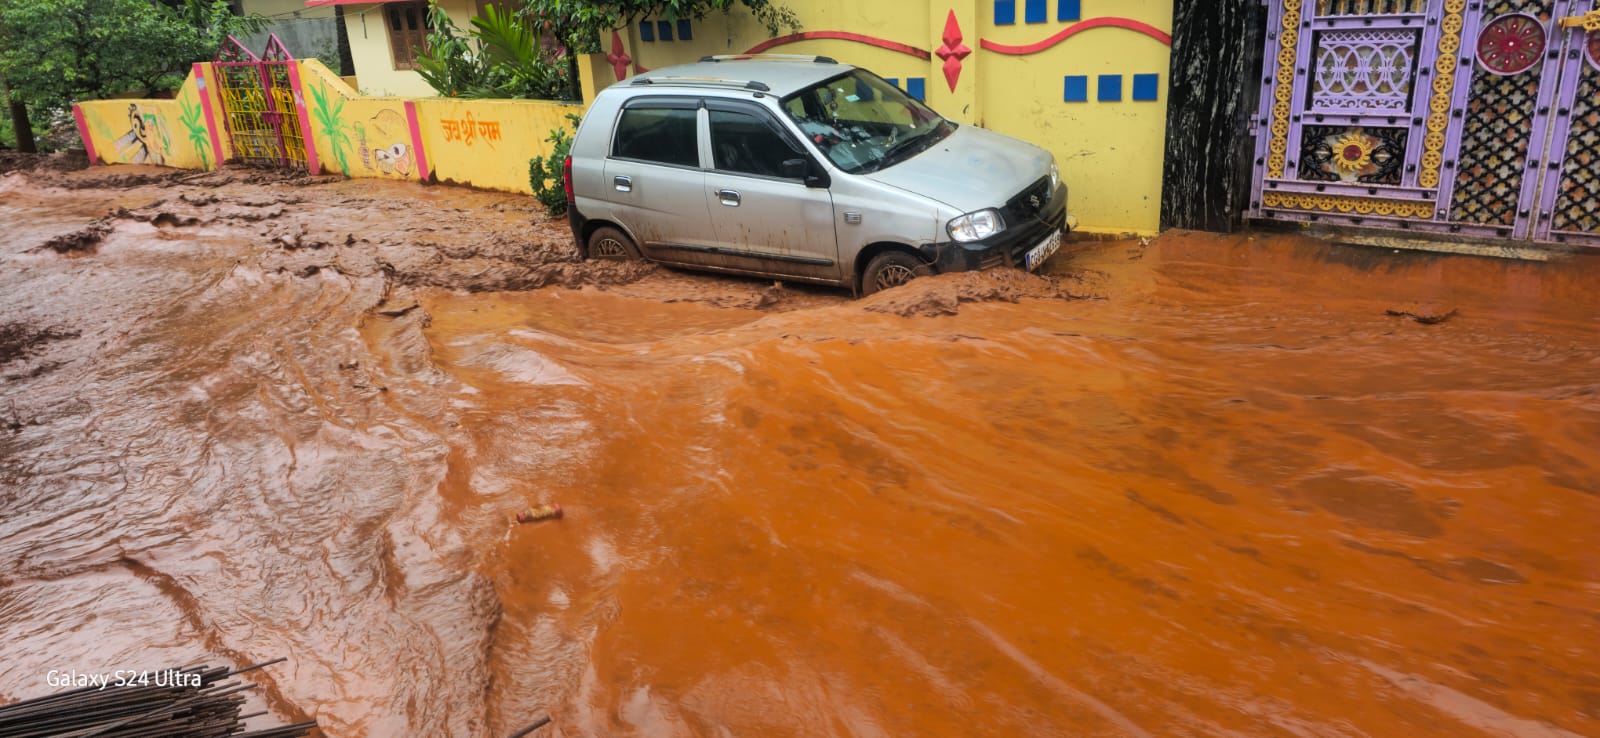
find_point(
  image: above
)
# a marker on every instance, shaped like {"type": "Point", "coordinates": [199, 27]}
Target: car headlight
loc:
{"type": "Point", "coordinates": [976, 226]}
{"type": "Point", "coordinates": [1055, 177]}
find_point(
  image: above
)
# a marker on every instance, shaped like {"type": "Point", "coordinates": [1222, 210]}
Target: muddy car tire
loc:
{"type": "Point", "coordinates": [890, 269]}
{"type": "Point", "coordinates": [611, 244]}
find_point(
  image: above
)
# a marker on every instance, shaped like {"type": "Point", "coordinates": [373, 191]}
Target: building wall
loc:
{"type": "Point", "coordinates": [372, 54]}
{"type": "Point", "coordinates": [1086, 79]}
{"type": "Point", "coordinates": [1109, 144]}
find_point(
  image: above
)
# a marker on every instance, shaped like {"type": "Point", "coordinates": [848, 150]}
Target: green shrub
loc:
{"type": "Point", "coordinates": [544, 172]}
{"type": "Point", "coordinates": [499, 57]}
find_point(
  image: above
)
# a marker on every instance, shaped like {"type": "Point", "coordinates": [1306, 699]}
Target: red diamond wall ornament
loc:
{"type": "Point", "coordinates": [618, 57]}
{"type": "Point", "coordinates": [953, 51]}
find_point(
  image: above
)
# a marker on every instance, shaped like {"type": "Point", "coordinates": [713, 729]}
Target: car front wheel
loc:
{"type": "Point", "coordinates": [890, 269]}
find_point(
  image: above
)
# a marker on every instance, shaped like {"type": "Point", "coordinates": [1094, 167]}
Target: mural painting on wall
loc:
{"type": "Point", "coordinates": [387, 151]}
{"type": "Point", "coordinates": [467, 129]}
{"type": "Point", "coordinates": [195, 126]}
{"type": "Point", "coordinates": [146, 141]}
{"type": "Point", "coordinates": [330, 123]}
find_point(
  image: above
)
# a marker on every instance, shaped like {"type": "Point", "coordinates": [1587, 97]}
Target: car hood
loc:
{"type": "Point", "coordinates": [971, 169]}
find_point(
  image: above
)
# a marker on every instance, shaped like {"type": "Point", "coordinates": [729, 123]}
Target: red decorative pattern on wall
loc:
{"type": "Point", "coordinates": [1076, 28]}
{"type": "Point", "coordinates": [841, 36]}
{"type": "Point", "coordinates": [952, 51]}
{"type": "Point", "coordinates": [618, 57]}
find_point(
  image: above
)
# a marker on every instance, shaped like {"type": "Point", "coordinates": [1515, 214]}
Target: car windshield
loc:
{"type": "Point", "coordinates": [863, 124]}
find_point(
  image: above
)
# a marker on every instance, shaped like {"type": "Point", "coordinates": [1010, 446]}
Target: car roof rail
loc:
{"type": "Point", "coordinates": [692, 81]}
{"type": "Point", "coordinates": [772, 57]}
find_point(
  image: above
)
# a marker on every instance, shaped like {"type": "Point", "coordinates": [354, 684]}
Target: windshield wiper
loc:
{"type": "Point", "coordinates": [889, 156]}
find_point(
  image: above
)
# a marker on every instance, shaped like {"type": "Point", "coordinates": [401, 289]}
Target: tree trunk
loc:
{"type": "Point", "coordinates": [23, 127]}
{"type": "Point", "coordinates": [574, 85]}
{"type": "Point", "coordinates": [20, 124]}
{"type": "Point", "coordinates": [1214, 77]}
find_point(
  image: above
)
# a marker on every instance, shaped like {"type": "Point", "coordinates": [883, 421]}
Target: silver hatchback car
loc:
{"type": "Point", "coordinates": [802, 168]}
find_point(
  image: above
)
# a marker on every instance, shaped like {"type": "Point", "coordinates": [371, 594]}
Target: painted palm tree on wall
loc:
{"type": "Point", "coordinates": [199, 137]}
{"type": "Point", "coordinates": [329, 119]}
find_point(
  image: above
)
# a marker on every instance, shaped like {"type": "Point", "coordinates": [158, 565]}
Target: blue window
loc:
{"type": "Point", "coordinates": [664, 30]}
{"type": "Point", "coordinates": [1146, 87]}
{"type": "Point", "coordinates": [1034, 11]}
{"type": "Point", "coordinates": [1075, 89]}
{"type": "Point", "coordinates": [1110, 88]}
{"type": "Point", "coordinates": [647, 31]}
{"type": "Point", "coordinates": [917, 87]}
{"type": "Point", "coordinates": [892, 80]}
{"type": "Point", "coordinates": [1069, 10]}
{"type": "Point", "coordinates": [684, 32]}
{"type": "Point", "coordinates": [1005, 12]}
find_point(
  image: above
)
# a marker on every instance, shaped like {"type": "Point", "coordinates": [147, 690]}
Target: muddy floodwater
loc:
{"type": "Point", "coordinates": [1209, 485]}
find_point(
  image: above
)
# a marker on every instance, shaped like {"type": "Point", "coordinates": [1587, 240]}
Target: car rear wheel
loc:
{"type": "Point", "coordinates": [611, 244]}
{"type": "Point", "coordinates": [890, 269]}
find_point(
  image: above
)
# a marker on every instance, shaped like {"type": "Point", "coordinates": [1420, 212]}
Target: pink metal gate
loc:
{"type": "Point", "coordinates": [263, 108]}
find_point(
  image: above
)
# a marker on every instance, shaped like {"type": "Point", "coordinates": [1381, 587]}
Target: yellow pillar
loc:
{"type": "Point", "coordinates": [953, 30]}
{"type": "Point", "coordinates": [594, 75]}
{"type": "Point", "coordinates": [599, 71]}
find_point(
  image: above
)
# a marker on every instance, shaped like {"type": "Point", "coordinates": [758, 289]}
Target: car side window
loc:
{"type": "Point", "coordinates": [661, 135]}
{"type": "Point", "coordinates": [746, 144]}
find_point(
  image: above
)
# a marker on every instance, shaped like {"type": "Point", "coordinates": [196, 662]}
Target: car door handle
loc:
{"type": "Point", "coordinates": [729, 197]}
{"type": "Point", "coordinates": [624, 184]}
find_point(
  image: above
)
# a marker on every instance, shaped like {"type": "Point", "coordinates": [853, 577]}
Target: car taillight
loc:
{"type": "Point", "coordinates": [566, 179]}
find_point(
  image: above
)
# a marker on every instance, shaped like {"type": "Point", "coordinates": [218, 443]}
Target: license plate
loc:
{"type": "Point", "coordinates": [1044, 250]}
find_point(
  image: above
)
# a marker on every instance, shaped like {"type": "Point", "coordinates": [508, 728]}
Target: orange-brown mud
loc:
{"type": "Point", "coordinates": [1209, 486]}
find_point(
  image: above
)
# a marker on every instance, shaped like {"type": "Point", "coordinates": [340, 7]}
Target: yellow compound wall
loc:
{"type": "Point", "coordinates": [172, 133]}
{"type": "Point", "coordinates": [1086, 79]}
{"type": "Point", "coordinates": [482, 143]}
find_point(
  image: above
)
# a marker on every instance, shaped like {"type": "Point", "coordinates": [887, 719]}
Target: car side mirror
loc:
{"type": "Point", "coordinates": [805, 169]}
{"type": "Point", "coordinates": [796, 168]}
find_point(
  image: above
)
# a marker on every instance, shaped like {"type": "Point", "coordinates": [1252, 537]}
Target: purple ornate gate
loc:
{"type": "Point", "coordinates": [1433, 115]}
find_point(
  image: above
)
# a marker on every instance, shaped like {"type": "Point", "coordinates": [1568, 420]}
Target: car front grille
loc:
{"type": "Point", "coordinates": [1029, 203]}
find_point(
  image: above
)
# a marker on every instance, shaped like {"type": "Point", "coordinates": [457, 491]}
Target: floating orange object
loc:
{"type": "Point", "coordinates": [542, 512]}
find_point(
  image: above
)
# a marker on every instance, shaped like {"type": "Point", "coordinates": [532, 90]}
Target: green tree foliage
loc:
{"type": "Point", "coordinates": [55, 52]}
{"type": "Point", "coordinates": [582, 23]}
{"type": "Point", "coordinates": [500, 59]}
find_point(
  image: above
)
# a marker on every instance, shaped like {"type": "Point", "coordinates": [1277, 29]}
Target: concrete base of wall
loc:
{"type": "Point", "coordinates": [1108, 234]}
{"type": "Point", "coordinates": [1443, 244]}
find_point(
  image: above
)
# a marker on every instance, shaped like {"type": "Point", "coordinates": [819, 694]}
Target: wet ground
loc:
{"type": "Point", "coordinates": [1241, 485]}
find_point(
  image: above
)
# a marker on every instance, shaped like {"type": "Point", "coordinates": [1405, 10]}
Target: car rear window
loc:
{"type": "Point", "coordinates": [662, 135]}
